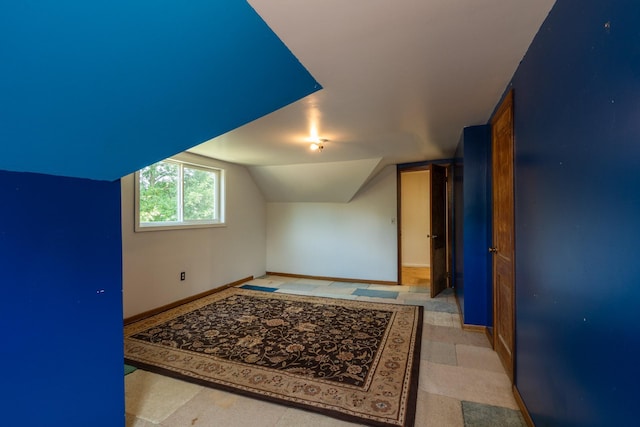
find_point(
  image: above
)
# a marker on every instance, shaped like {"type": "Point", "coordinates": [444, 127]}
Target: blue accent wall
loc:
{"type": "Point", "coordinates": [61, 305]}
{"type": "Point", "coordinates": [99, 89]}
{"type": "Point", "coordinates": [577, 211]}
{"type": "Point", "coordinates": [472, 231]}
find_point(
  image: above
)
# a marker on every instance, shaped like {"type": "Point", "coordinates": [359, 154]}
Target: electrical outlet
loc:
{"type": "Point", "coordinates": [182, 275]}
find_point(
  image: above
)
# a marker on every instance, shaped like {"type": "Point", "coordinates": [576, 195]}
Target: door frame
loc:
{"type": "Point", "coordinates": [421, 166]}
{"type": "Point", "coordinates": [505, 104]}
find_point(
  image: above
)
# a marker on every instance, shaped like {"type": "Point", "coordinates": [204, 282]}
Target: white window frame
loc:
{"type": "Point", "coordinates": [181, 224]}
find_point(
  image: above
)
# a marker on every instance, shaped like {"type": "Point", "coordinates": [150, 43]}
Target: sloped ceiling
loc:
{"type": "Point", "coordinates": [98, 89]}
{"type": "Point", "coordinates": [314, 182]}
{"type": "Point", "coordinates": [401, 80]}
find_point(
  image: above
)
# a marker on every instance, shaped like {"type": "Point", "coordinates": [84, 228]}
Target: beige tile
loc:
{"type": "Point", "coordinates": [491, 388]}
{"type": "Point", "coordinates": [390, 288]}
{"type": "Point", "coordinates": [219, 408]}
{"type": "Point", "coordinates": [456, 321]}
{"type": "Point", "coordinates": [133, 421]}
{"type": "Point", "coordinates": [438, 352]}
{"type": "Point", "coordinates": [434, 410]}
{"type": "Point", "coordinates": [296, 292]}
{"type": "Point", "coordinates": [297, 417]}
{"type": "Point", "coordinates": [154, 397]}
{"type": "Point", "coordinates": [314, 281]}
{"type": "Point", "coordinates": [333, 295]}
{"type": "Point", "coordinates": [475, 357]}
{"type": "Point", "coordinates": [438, 318]}
{"type": "Point", "coordinates": [454, 335]}
{"type": "Point", "coordinates": [336, 290]}
{"type": "Point", "coordinates": [264, 282]}
{"type": "Point", "coordinates": [412, 299]}
{"type": "Point", "coordinates": [280, 278]}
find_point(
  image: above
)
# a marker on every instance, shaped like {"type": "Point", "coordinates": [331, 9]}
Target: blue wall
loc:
{"type": "Point", "coordinates": [577, 181]}
{"type": "Point", "coordinates": [99, 89]}
{"type": "Point", "coordinates": [61, 305]}
{"type": "Point", "coordinates": [472, 225]}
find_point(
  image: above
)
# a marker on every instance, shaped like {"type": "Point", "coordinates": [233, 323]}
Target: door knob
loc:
{"type": "Point", "coordinates": [432, 236]}
{"type": "Point", "coordinates": [493, 250]}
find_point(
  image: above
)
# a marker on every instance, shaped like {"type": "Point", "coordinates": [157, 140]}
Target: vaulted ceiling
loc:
{"type": "Point", "coordinates": [99, 89]}
{"type": "Point", "coordinates": [401, 79]}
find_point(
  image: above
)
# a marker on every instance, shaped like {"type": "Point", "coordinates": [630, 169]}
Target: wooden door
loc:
{"type": "Point", "coordinates": [503, 234]}
{"type": "Point", "coordinates": [438, 236]}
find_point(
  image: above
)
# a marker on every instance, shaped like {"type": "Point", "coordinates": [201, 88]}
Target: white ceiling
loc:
{"type": "Point", "coordinates": [401, 80]}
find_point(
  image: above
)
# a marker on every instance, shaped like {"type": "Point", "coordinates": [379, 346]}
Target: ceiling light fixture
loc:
{"type": "Point", "coordinates": [319, 145]}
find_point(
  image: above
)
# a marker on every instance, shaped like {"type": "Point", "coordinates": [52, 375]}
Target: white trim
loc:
{"type": "Point", "coordinates": [182, 226]}
{"type": "Point", "coordinates": [412, 264]}
{"type": "Point", "coordinates": [179, 225]}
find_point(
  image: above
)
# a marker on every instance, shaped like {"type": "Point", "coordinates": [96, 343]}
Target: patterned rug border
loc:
{"type": "Point", "coordinates": [408, 400]}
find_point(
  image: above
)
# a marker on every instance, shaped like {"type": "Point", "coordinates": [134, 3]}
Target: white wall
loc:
{"type": "Point", "coordinates": [211, 257]}
{"type": "Point", "coordinates": [415, 210]}
{"type": "Point", "coordinates": [356, 240]}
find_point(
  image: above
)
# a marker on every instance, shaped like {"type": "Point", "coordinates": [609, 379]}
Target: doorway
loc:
{"type": "Point", "coordinates": [415, 228]}
{"type": "Point", "coordinates": [503, 248]}
{"type": "Point", "coordinates": [424, 227]}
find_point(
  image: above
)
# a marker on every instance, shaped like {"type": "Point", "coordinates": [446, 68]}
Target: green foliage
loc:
{"type": "Point", "coordinates": [199, 193]}
{"type": "Point", "coordinates": [159, 193]}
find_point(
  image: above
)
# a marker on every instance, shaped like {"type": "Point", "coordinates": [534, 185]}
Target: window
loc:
{"type": "Point", "coordinates": [176, 194]}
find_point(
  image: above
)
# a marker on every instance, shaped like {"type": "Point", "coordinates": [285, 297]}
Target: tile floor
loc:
{"type": "Point", "coordinates": [462, 382]}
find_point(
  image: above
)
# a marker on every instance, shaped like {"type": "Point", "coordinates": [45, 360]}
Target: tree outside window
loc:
{"type": "Point", "coordinates": [174, 194]}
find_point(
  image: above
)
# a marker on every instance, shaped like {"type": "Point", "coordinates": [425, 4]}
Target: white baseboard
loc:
{"type": "Point", "coordinates": [411, 264]}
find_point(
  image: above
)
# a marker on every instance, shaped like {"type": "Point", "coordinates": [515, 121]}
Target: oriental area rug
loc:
{"type": "Point", "coordinates": [353, 360]}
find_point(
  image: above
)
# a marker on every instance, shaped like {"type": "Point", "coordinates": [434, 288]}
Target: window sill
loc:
{"type": "Point", "coordinates": [139, 228]}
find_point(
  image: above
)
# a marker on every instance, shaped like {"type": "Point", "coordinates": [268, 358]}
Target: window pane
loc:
{"type": "Point", "coordinates": [199, 191]}
{"type": "Point", "coordinates": [159, 192]}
